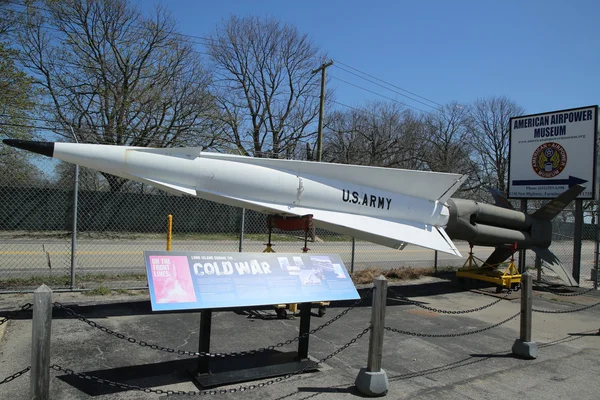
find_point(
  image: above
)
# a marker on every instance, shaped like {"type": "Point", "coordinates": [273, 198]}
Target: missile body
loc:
{"type": "Point", "coordinates": [385, 206]}
{"type": "Point", "coordinates": [391, 207]}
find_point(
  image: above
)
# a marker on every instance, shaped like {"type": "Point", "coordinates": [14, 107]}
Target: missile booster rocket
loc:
{"type": "Point", "coordinates": [391, 207]}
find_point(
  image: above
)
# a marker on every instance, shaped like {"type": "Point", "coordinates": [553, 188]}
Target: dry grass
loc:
{"type": "Point", "coordinates": [368, 275]}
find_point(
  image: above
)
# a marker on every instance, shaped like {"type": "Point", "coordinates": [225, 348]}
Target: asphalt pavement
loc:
{"type": "Point", "coordinates": [458, 364]}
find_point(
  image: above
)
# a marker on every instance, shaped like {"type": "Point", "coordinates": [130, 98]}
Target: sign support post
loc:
{"type": "Point", "coordinates": [577, 240]}
{"type": "Point", "coordinates": [204, 341]}
{"type": "Point", "coordinates": [304, 329]}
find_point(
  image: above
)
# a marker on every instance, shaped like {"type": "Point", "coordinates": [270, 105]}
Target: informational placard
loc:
{"type": "Point", "coordinates": [203, 280]}
{"type": "Point", "coordinates": [551, 152]}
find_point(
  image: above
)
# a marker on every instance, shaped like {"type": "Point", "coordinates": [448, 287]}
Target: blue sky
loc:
{"type": "Point", "coordinates": [544, 55]}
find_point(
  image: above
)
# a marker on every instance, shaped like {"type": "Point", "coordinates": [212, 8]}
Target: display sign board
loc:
{"type": "Point", "coordinates": [551, 152]}
{"type": "Point", "coordinates": [202, 280]}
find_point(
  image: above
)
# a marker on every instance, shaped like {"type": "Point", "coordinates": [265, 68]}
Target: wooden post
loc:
{"type": "Point", "coordinates": [40, 344]}
{"type": "Point", "coordinates": [322, 68]}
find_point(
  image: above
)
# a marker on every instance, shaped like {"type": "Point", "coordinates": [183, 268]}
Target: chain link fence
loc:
{"type": "Point", "coordinates": [114, 228]}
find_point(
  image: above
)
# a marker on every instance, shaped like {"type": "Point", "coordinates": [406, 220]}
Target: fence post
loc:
{"type": "Point", "coordinates": [39, 384]}
{"type": "Point", "coordinates": [74, 226]}
{"type": "Point", "coordinates": [242, 227]}
{"type": "Point", "coordinates": [352, 259]}
{"type": "Point", "coordinates": [373, 380]}
{"type": "Point", "coordinates": [524, 347]}
{"type": "Point", "coordinates": [435, 261]}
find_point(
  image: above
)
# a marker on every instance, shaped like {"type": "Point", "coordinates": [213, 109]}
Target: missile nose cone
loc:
{"type": "Point", "coordinates": [44, 148]}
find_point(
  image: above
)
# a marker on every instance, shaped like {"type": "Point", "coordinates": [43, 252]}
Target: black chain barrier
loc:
{"type": "Point", "coordinates": [11, 314]}
{"type": "Point", "coordinates": [270, 382]}
{"type": "Point", "coordinates": [14, 376]}
{"type": "Point", "coordinates": [566, 294]}
{"type": "Point", "coordinates": [143, 343]}
{"type": "Point", "coordinates": [444, 335]}
{"type": "Point", "coordinates": [564, 311]}
{"type": "Point", "coordinates": [437, 310]}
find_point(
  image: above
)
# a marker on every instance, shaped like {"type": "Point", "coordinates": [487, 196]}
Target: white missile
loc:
{"type": "Point", "coordinates": [391, 207]}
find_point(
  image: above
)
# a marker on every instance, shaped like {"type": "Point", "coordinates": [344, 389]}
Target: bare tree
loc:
{"type": "Point", "coordinates": [117, 77]}
{"type": "Point", "coordinates": [18, 99]}
{"type": "Point", "coordinates": [267, 93]}
{"type": "Point", "coordinates": [379, 134]}
{"type": "Point", "coordinates": [490, 130]}
{"type": "Point", "coordinates": [447, 144]}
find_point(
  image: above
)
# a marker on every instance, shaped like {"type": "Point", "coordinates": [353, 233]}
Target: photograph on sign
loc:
{"type": "Point", "coordinates": [551, 152]}
{"type": "Point", "coordinates": [201, 280]}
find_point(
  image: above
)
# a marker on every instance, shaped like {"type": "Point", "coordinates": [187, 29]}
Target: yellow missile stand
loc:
{"type": "Point", "coordinates": [504, 277]}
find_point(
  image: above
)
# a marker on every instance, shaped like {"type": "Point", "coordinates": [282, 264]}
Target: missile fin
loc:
{"type": "Point", "coordinates": [555, 206]}
{"type": "Point", "coordinates": [390, 233]}
{"type": "Point", "coordinates": [499, 256]}
{"type": "Point", "coordinates": [166, 186]}
{"type": "Point", "coordinates": [452, 189]}
{"type": "Point", "coordinates": [500, 200]}
{"type": "Point", "coordinates": [449, 241]}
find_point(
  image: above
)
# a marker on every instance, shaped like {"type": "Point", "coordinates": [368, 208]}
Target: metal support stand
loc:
{"type": "Point", "coordinates": [524, 347]}
{"type": "Point", "coordinates": [219, 371]}
{"type": "Point", "coordinates": [372, 380]}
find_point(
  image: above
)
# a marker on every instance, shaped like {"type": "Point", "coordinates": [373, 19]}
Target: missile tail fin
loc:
{"type": "Point", "coordinates": [555, 206]}
{"type": "Point", "coordinates": [500, 200]}
{"type": "Point", "coordinates": [499, 255]}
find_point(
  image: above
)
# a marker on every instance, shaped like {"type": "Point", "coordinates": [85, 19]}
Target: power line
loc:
{"type": "Point", "coordinates": [379, 94]}
{"type": "Point", "coordinates": [390, 84]}
{"type": "Point", "coordinates": [385, 87]}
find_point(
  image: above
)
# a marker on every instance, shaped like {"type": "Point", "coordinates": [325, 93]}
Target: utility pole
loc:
{"type": "Point", "coordinates": [322, 68]}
